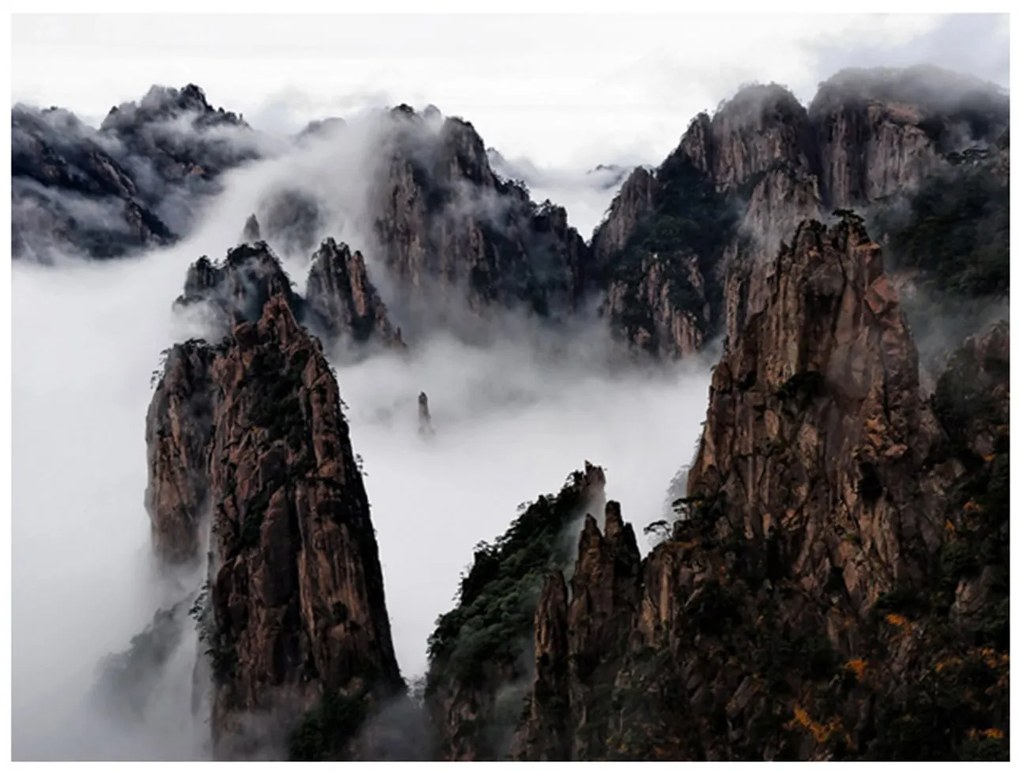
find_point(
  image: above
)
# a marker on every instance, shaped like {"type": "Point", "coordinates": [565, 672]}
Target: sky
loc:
{"type": "Point", "coordinates": [564, 91]}
{"type": "Point", "coordinates": [554, 94]}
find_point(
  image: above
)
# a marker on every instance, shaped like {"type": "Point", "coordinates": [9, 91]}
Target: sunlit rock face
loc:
{"type": "Point", "coordinates": [825, 545]}
{"type": "Point", "coordinates": [249, 449]}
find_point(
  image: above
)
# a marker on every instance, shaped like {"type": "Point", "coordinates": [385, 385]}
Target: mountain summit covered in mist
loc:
{"type": "Point", "coordinates": [831, 581]}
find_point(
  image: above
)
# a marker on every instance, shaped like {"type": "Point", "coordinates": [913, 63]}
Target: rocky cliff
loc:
{"type": "Point", "coordinates": [340, 303]}
{"type": "Point", "coordinates": [133, 183]}
{"type": "Point", "coordinates": [879, 141]}
{"type": "Point", "coordinates": [448, 225]}
{"type": "Point", "coordinates": [343, 299]}
{"type": "Point", "coordinates": [250, 450]}
{"type": "Point", "coordinates": [835, 583]}
{"type": "Point", "coordinates": [481, 653]}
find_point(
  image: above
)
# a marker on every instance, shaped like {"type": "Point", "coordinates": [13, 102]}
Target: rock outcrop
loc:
{"type": "Point", "coordinates": [178, 429]}
{"type": "Point", "coordinates": [296, 587]}
{"type": "Point", "coordinates": [344, 301]}
{"type": "Point", "coordinates": [663, 288]}
{"type": "Point", "coordinates": [340, 302]}
{"type": "Point", "coordinates": [831, 332]}
{"type": "Point", "coordinates": [481, 654]}
{"type": "Point", "coordinates": [821, 594]}
{"type": "Point", "coordinates": [238, 288]}
{"type": "Point", "coordinates": [292, 220]}
{"type": "Point", "coordinates": [424, 418]}
{"type": "Point", "coordinates": [447, 224]}
{"type": "Point", "coordinates": [252, 231]}
{"type": "Point", "coordinates": [133, 183]}
{"type": "Point", "coordinates": [870, 140]}
{"type": "Point", "coordinates": [249, 447]}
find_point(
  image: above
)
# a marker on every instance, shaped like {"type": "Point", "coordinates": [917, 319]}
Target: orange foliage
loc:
{"type": "Point", "coordinates": [986, 733]}
{"type": "Point", "coordinates": [821, 733]}
{"type": "Point", "coordinates": [857, 666]}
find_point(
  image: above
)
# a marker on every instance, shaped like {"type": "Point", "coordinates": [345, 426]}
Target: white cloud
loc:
{"type": "Point", "coordinates": [566, 93]}
{"type": "Point", "coordinates": [570, 91]}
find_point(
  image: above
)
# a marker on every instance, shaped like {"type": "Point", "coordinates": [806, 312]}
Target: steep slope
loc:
{"type": "Point", "coordinates": [480, 653]}
{"type": "Point", "coordinates": [920, 152]}
{"type": "Point", "coordinates": [250, 459]}
{"type": "Point", "coordinates": [835, 584]}
{"type": "Point", "coordinates": [295, 586]}
{"type": "Point", "coordinates": [131, 184]}
{"type": "Point", "coordinates": [340, 303]}
{"type": "Point", "coordinates": [70, 194]}
{"type": "Point", "coordinates": [343, 299]}
{"type": "Point", "coordinates": [447, 224]}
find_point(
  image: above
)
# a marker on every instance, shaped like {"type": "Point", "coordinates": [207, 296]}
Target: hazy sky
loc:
{"type": "Point", "coordinates": [565, 91]}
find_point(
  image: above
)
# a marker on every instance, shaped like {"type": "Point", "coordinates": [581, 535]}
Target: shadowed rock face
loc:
{"type": "Point", "coordinates": [481, 654]}
{"type": "Point", "coordinates": [870, 140]}
{"type": "Point", "coordinates": [252, 231]}
{"type": "Point", "coordinates": [131, 184]}
{"type": "Point", "coordinates": [340, 304]}
{"type": "Point", "coordinates": [343, 299]}
{"type": "Point", "coordinates": [238, 288]}
{"type": "Point", "coordinates": [447, 224]}
{"type": "Point", "coordinates": [821, 594]}
{"type": "Point", "coordinates": [291, 221]}
{"type": "Point", "coordinates": [252, 447]}
{"type": "Point", "coordinates": [178, 429]}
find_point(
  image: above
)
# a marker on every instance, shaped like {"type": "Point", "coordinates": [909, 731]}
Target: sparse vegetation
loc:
{"type": "Point", "coordinates": [957, 232]}
{"type": "Point", "coordinates": [499, 593]}
{"type": "Point", "coordinates": [690, 219]}
{"type": "Point", "coordinates": [324, 732]}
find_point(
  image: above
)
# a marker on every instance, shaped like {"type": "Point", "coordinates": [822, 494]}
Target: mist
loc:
{"type": "Point", "coordinates": [511, 420]}
{"type": "Point", "coordinates": [509, 425]}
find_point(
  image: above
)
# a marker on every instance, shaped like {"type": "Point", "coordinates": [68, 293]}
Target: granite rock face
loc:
{"type": "Point", "coordinates": [250, 450]}
{"type": "Point", "coordinates": [340, 303]}
{"type": "Point", "coordinates": [343, 299]}
{"type": "Point", "coordinates": [447, 225]}
{"type": "Point", "coordinates": [178, 429]}
{"type": "Point", "coordinates": [821, 594]}
{"type": "Point", "coordinates": [870, 140]}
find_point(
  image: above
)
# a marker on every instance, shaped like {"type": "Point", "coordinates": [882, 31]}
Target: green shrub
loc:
{"type": "Point", "coordinates": [324, 732]}
{"type": "Point", "coordinates": [958, 232]}
{"type": "Point", "coordinates": [499, 594]}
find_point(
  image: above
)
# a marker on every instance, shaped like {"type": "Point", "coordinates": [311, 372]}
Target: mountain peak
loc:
{"type": "Point", "coordinates": [162, 103]}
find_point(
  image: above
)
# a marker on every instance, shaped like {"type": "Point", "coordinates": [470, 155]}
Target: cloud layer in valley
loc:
{"type": "Point", "coordinates": [511, 421]}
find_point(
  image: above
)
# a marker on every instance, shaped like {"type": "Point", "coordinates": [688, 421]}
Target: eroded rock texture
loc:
{"type": "Point", "coordinates": [340, 304]}
{"type": "Point", "coordinates": [447, 224]}
{"type": "Point", "coordinates": [251, 446]}
{"type": "Point", "coordinates": [343, 298]}
{"type": "Point", "coordinates": [884, 142]}
{"type": "Point", "coordinates": [835, 585]}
